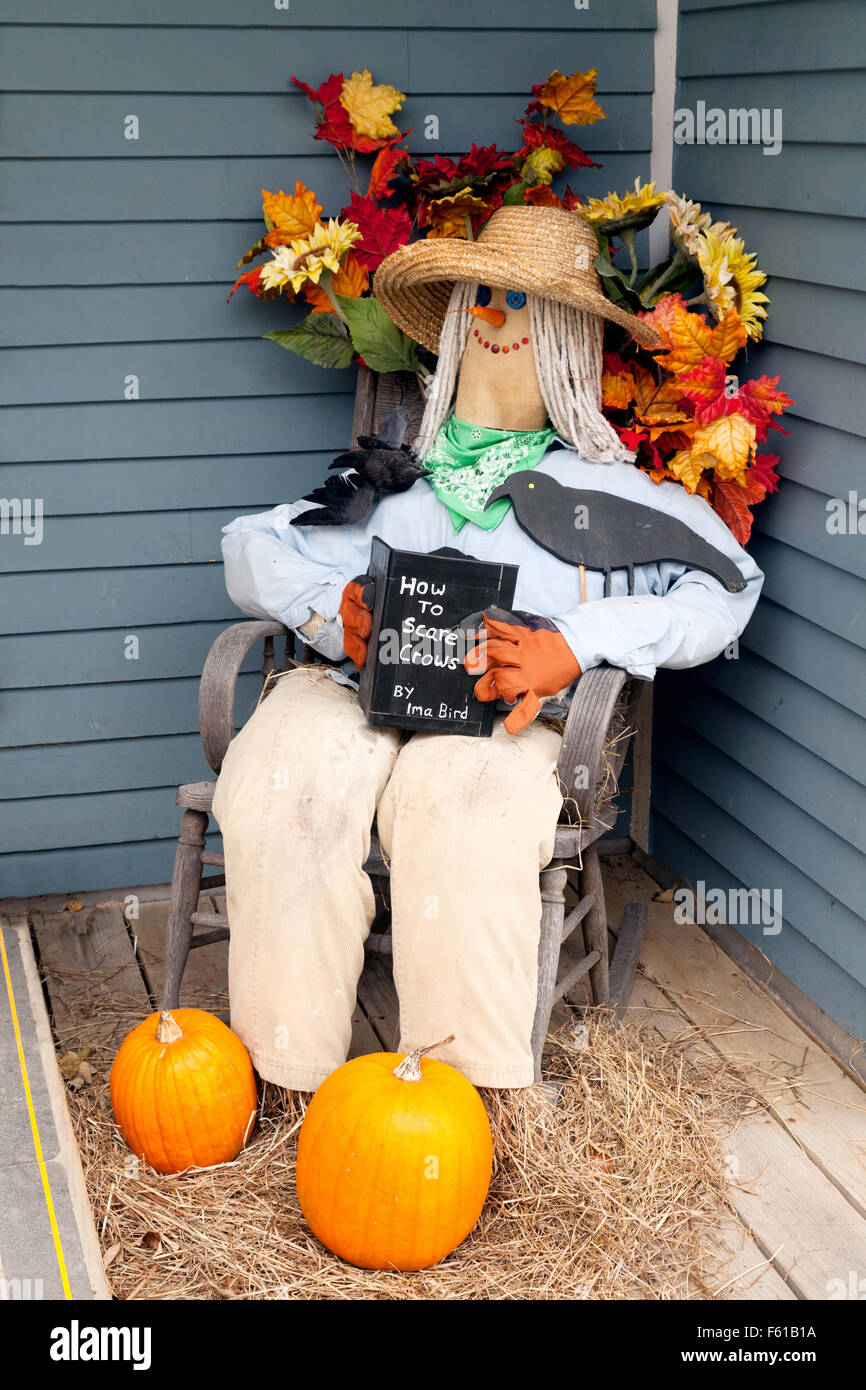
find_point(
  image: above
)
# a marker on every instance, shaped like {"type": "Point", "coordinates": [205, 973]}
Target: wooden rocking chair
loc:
{"type": "Point", "coordinates": [608, 710]}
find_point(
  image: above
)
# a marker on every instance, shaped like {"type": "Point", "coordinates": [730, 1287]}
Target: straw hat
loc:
{"type": "Point", "coordinates": [548, 252]}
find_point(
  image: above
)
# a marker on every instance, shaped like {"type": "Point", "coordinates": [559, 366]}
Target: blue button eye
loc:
{"type": "Point", "coordinates": [515, 299]}
{"type": "Point", "coordinates": [483, 296]}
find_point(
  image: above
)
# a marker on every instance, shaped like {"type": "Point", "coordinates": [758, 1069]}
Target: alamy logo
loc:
{"type": "Point", "coordinates": [77, 1343]}
{"type": "Point", "coordinates": [738, 125]}
{"type": "Point", "coordinates": [738, 907]}
{"type": "Point", "coordinates": [22, 516]}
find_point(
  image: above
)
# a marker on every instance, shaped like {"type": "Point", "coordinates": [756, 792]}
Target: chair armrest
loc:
{"type": "Point", "coordinates": [216, 695]}
{"type": "Point", "coordinates": [585, 738]}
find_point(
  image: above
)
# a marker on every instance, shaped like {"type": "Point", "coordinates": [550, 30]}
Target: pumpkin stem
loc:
{"type": "Point", "coordinates": [410, 1067]}
{"type": "Point", "coordinates": [167, 1031]}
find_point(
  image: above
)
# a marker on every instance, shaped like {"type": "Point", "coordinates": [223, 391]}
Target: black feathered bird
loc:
{"type": "Point", "coordinates": [609, 532]}
{"type": "Point", "coordinates": [381, 464]}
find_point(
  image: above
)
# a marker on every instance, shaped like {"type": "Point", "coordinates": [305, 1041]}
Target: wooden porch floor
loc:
{"type": "Point", "coordinates": [796, 1166]}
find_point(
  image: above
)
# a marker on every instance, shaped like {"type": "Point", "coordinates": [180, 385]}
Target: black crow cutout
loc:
{"type": "Point", "coordinates": [382, 464]}
{"type": "Point", "coordinates": [619, 535]}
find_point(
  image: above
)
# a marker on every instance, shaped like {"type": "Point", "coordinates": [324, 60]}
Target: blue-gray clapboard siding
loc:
{"type": "Point", "coordinates": [116, 257]}
{"type": "Point", "coordinates": [760, 762]}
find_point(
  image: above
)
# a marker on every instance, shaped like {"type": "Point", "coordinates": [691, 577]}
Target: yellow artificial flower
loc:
{"type": "Point", "coordinates": [448, 217]}
{"type": "Point", "coordinates": [541, 165]}
{"type": "Point", "coordinates": [689, 223]}
{"type": "Point", "coordinates": [732, 280]}
{"type": "Point", "coordinates": [613, 213]}
{"type": "Point", "coordinates": [369, 108]}
{"type": "Point", "coordinates": [305, 259]}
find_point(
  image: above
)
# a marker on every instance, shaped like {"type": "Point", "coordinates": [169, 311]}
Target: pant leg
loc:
{"type": "Point", "coordinates": [467, 824]}
{"type": "Point", "coordinates": [295, 800]}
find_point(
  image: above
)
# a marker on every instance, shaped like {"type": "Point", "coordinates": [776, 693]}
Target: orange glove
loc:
{"type": "Point", "coordinates": [356, 611]}
{"type": "Point", "coordinates": [523, 657]}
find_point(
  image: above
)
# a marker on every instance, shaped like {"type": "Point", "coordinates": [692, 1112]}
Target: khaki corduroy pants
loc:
{"type": "Point", "coordinates": [466, 824]}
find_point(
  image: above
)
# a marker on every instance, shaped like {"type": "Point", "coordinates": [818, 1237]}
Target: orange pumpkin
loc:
{"type": "Point", "coordinates": [183, 1091]}
{"type": "Point", "coordinates": [394, 1160]}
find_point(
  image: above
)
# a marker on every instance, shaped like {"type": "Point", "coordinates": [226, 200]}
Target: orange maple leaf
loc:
{"type": "Point", "coordinates": [350, 280]}
{"type": "Point", "coordinates": [656, 404]}
{"type": "Point", "coordinates": [571, 98]}
{"type": "Point", "coordinates": [292, 215]}
{"type": "Point", "coordinates": [688, 339]}
{"type": "Point", "coordinates": [617, 390]}
{"type": "Point", "coordinates": [541, 195]}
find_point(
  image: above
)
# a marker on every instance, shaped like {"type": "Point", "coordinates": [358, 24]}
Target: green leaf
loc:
{"type": "Point", "coordinates": [383, 346]}
{"type": "Point", "coordinates": [321, 338]}
{"type": "Point", "coordinates": [513, 195]}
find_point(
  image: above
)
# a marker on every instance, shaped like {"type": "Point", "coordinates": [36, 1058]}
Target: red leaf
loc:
{"type": "Point", "coordinates": [764, 471]}
{"type": "Point", "coordinates": [384, 167]}
{"type": "Point", "coordinates": [482, 161]}
{"type": "Point", "coordinates": [382, 230]}
{"type": "Point", "coordinates": [252, 280]}
{"type": "Point", "coordinates": [732, 504]}
{"type": "Point", "coordinates": [536, 136]}
{"type": "Point", "coordinates": [759, 400]}
{"type": "Point", "coordinates": [705, 388]}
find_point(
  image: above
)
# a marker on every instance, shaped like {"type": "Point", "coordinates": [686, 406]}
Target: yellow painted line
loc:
{"type": "Point", "coordinates": [37, 1142]}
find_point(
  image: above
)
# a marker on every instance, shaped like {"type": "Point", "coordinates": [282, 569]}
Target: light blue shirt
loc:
{"type": "Point", "coordinates": [676, 617]}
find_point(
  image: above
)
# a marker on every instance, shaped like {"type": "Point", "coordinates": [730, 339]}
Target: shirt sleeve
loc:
{"type": "Point", "coordinates": [687, 618]}
{"type": "Point", "coordinates": [276, 570]}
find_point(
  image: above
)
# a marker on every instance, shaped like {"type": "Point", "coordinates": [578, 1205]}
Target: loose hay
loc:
{"type": "Point", "coordinates": [611, 1194]}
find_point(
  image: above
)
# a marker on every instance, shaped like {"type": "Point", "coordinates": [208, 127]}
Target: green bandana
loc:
{"type": "Point", "coordinates": [467, 462]}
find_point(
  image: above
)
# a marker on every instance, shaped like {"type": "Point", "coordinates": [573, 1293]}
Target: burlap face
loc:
{"type": "Point", "coordinates": [499, 389]}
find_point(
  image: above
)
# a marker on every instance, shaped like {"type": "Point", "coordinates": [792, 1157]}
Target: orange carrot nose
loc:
{"type": "Point", "coordinates": [491, 316]}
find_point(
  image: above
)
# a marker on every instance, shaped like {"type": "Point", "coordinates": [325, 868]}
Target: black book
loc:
{"type": "Point", "coordinates": [414, 677]}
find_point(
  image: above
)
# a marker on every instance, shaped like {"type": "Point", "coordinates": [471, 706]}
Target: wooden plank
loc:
{"type": "Point", "coordinates": [625, 958]}
{"type": "Point", "coordinates": [827, 392]}
{"type": "Point", "coordinates": [450, 14]}
{"type": "Point", "coordinates": [809, 906]}
{"type": "Point", "coordinates": [205, 979]}
{"type": "Point", "coordinates": [58, 125]}
{"type": "Point", "coordinates": [194, 59]}
{"type": "Point", "coordinates": [812, 38]}
{"type": "Point", "coordinates": [828, 109]}
{"type": "Point", "coordinates": [113, 765]}
{"type": "Point", "coordinates": [115, 485]}
{"type": "Point", "coordinates": [826, 186]}
{"type": "Point", "coordinates": [826, 794]}
{"type": "Point", "coordinates": [68, 1155]}
{"type": "Point", "coordinates": [378, 998]}
{"type": "Point", "coordinates": [745, 1270]}
{"type": "Point", "coordinates": [799, 518]}
{"type": "Point", "coordinates": [819, 318]}
{"type": "Point", "coordinates": [143, 429]}
{"type": "Point", "coordinates": [802, 584]}
{"type": "Point", "coordinates": [795, 708]}
{"type": "Point", "coordinates": [165, 371]}
{"type": "Point", "coordinates": [100, 867]}
{"type": "Point", "coordinates": [641, 764]}
{"type": "Point", "coordinates": [820, 1109]}
{"type": "Point", "coordinates": [95, 599]}
{"type": "Point", "coordinates": [810, 982]}
{"type": "Point", "coordinates": [164, 653]}
{"type": "Point", "coordinates": [757, 806]}
{"type": "Point", "coordinates": [149, 253]}
{"type": "Point", "coordinates": [93, 979]}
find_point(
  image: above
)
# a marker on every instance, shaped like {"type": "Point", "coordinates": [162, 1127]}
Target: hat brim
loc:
{"type": "Point", "coordinates": [414, 287]}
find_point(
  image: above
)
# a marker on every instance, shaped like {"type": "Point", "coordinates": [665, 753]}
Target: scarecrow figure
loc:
{"type": "Point", "coordinates": [466, 824]}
